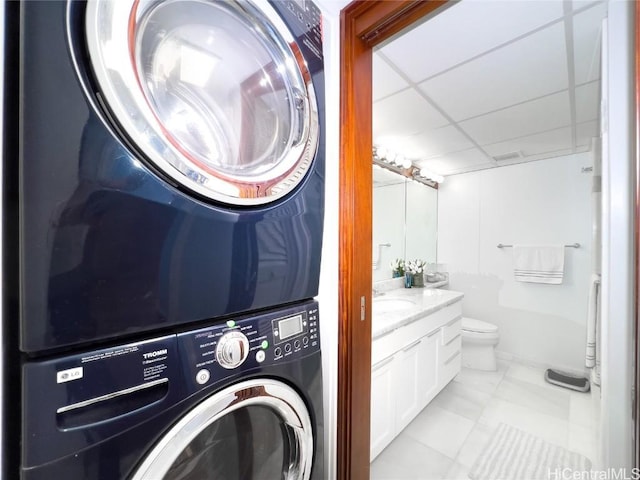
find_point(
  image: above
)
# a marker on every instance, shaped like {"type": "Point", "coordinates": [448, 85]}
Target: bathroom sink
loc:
{"type": "Point", "coordinates": [388, 305]}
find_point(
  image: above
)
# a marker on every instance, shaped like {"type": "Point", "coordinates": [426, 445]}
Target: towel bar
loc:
{"type": "Point", "coordinates": [573, 245]}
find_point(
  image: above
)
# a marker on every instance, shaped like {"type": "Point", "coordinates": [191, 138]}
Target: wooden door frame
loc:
{"type": "Point", "coordinates": [363, 25]}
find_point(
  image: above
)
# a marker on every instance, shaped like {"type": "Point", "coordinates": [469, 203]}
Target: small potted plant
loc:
{"type": "Point", "coordinates": [416, 269]}
{"type": "Point", "coordinates": [397, 268]}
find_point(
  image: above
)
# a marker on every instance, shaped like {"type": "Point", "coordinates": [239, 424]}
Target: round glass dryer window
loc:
{"type": "Point", "coordinates": [215, 94]}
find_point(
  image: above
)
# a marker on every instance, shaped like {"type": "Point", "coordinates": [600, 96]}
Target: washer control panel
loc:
{"type": "Point", "coordinates": [235, 346]}
{"type": "Point", "coordinates": [232, 349]}
{"type": "Point", "coordinates": [305, 17]}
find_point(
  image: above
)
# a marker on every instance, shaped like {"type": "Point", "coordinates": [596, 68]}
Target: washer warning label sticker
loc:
{"type": "Point", "coordinates": [70, 374]}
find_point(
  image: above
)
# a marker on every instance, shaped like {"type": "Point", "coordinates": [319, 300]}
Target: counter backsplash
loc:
{"type": "Point", "coordinates": [384, 286]}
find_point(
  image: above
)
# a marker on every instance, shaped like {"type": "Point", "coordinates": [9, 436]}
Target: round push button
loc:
{"type": "Point", "coordinates": [260, 356]}
{"type": "Point", "coordinates": [203, 376]}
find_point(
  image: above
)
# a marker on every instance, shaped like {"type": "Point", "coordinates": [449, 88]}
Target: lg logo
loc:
{"type": "Point", "coordinates": [70, 374]}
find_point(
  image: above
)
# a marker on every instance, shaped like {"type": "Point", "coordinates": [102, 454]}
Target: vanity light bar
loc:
{"type": "Point", "coordinates": [403, 166]}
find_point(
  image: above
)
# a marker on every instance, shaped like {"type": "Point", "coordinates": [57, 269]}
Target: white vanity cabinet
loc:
{"type": "Point", "coordinates": [449, 354]}
{"type": "Point", "coordinates": [429, 378]}
{"type": "Point", "coordinates": [382, 406]}
{"type": "Point", "coordinates": [406, 376]}
{"type": "Point", "coordinates": [410, 365]}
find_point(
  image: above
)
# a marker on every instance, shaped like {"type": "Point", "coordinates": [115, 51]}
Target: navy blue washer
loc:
{"type": "Point", "coordinates": [98, 414]}
{"type": "Point", "coordinates": [109, 246]}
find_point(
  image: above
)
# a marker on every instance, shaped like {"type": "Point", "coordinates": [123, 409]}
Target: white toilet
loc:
{"type": "Point", "coordinates": [479, 340]}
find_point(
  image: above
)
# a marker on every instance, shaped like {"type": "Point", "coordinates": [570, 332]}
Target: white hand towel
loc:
{"type": "Point", "coordinates": [539, 263]}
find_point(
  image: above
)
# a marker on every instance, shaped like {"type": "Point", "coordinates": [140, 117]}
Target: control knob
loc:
{"type": "Point", "coordinates": [232, 349]}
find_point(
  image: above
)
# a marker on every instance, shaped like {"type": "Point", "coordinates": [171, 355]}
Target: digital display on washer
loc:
{"type": "Point", "coordinates": [289, 327]}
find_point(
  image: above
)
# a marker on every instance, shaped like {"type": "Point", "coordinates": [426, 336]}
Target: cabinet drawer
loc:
{"type": "Point", "coordinates": [449, 349]}
{"type": "Point", "coordinates": [451, 330]}
{"type": "Point", "coordinates": [450, 368]}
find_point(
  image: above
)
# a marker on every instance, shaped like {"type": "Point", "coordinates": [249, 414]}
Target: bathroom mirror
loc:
{"type": "Point", "coordinates": [405, 215]}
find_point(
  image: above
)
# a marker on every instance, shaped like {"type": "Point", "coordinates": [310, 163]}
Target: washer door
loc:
{"type": "Point", "coordinates": [215, 94]}
{"type": "Point", "coordinates": [255, 430]}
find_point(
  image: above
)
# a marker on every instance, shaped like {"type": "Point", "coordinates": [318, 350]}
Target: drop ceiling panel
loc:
{"type": "Point", "coordinates": [521, 120]}
{"type": "Point", "coordinates": [587, 26]}
{"type": "Point", "coordinates": [531, 67]}
{"type": "Point", "coordinates": [405, 113]}
{"type": "Point", "coordinates": [436, 142]}
{"type": "Point", "coordinates": [492, 67]}
{"type": "Point", "coordinates": [558, 140]}
{"type": "Point", "coordinates": [385, 80]}
{"type": "Point", "coordinates": [457, 162]}
{"type": "Point", "coordinates": [587, 102]}
{"type": "Point", "coordinates": [465, 30]}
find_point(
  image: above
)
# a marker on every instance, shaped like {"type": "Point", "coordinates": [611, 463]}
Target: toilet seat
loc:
{"type": "Point", "coordinates": [478, 326]}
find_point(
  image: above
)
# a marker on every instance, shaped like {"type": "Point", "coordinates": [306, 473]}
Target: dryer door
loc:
{"type": "Point", "coordinates": [254, 430]}
{"type": "Point", "coordinates": [216, 95]}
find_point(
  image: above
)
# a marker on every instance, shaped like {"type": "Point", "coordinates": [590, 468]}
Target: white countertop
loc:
{"type": "Point", "coordinates": [425, 301]}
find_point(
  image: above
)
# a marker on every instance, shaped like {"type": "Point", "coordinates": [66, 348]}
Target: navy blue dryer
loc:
{"type": "Point", "coordinates": [171, 164]}
{"type": "Point", "coordinates": [237, 400]}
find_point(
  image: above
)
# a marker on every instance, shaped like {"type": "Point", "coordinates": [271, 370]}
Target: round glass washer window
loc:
{"type": "Point", "coordinates": [256, 429]}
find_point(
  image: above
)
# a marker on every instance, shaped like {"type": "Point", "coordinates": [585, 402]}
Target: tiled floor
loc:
{"type": "Point", "coordinates": [445, 439]}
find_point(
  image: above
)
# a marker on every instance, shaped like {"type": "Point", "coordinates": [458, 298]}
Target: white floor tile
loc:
{"type": "Point", "coordinates": [462, 400]}
{"type": "Point", "coordinates": [480, 380]}
{"type": "Point", "coordinates": [440, 429]}
{"type": "Point", "coordinates": [457, 472]}
{"type": "Point", "coordinates": [474, 445]}
{"type": "Point", "coordinates": [390, 470]}
{"type": "Point", "coordinates": [550, 428]}
{"type": "Point", "coordinates": [410, 458]}
{"type": "Point", "coordinates": [554, 402]}
{"type": "Point", "coordinates": [446, 438]}
{"type": "Point", "coordinates": [584, 410]}
{"type": "Point", "coordinates": [584, 441]}
{"type": "Point", "coordinates": [529, 374]}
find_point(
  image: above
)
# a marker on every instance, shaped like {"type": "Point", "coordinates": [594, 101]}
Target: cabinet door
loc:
{"type": "Point", "coordinates": [382, 406]}
{"type": "Point", "coordinates": [428, 368]}
{"type": "Point", "coordinates": [407, 369]}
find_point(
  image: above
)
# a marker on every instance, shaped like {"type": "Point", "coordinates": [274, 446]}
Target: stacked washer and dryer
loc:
{"type": "Point", "coordinates": [170, 170]}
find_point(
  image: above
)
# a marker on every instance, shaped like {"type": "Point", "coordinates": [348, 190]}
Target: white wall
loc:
{"type": "Point", "coordinates": [542, 202]}
{"type": "Point", "coordinates": [328, 295]}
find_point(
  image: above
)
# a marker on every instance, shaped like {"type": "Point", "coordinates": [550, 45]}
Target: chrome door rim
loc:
{"type": "Point", "coordinates": [121, 87]}
{"type": "Point", "coordinates": [275, 395]}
